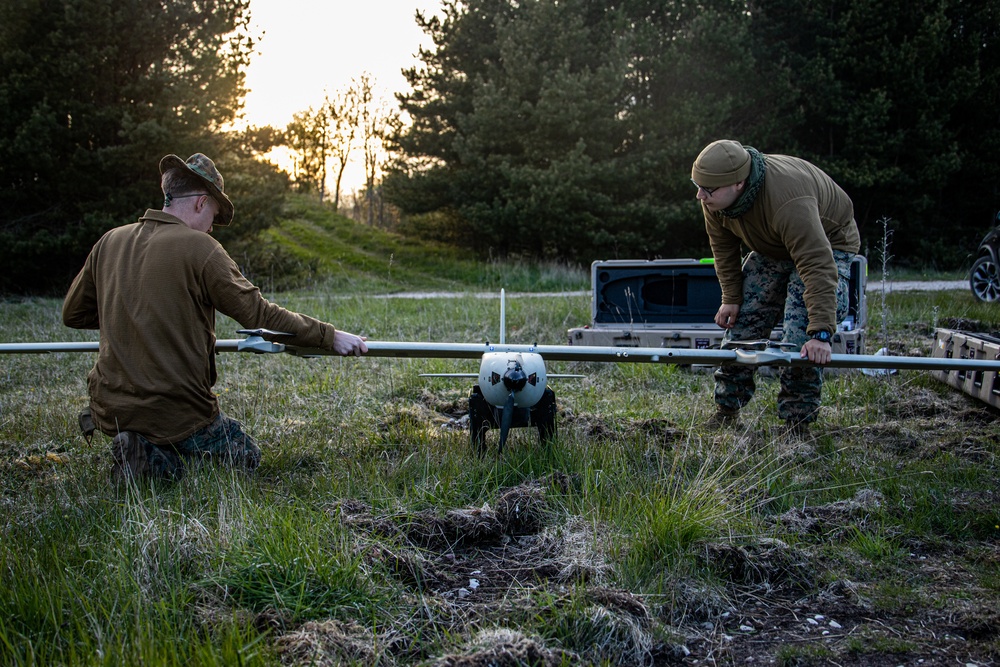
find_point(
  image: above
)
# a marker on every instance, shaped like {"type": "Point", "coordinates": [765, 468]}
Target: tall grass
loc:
{"type": "Point", "coordinates": [370, 511]}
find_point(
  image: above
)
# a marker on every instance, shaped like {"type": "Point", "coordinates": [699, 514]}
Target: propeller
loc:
{"type": "Point", "coordinates": [514, 380]}
{"type": "Point", "coordinates": [505, 420]}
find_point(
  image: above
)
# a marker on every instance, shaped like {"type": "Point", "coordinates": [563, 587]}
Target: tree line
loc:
{"type": "Point", "coordinates": [539, 128]}
{"type": "Point", "coordinates": [566, 129]}
{"type": "Point", "coordinates": [92, 95]}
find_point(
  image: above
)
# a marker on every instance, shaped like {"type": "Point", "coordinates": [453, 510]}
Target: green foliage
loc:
{"type": "Point", "coordinates": [306, 136]}
{"type": "Point", "coordinates": [256, 187]}
{"type": "Point", "coordinates": [567, 129]}
{"type": "Point", "coordinates": [803, 655]}
{"type": "Point", "coordinates": [299, 562]}
{"type": "Point", "coordinates": [92, 95]}
{"type": "Point", "coordinates": [520, 132]}
{"type": "Point", "coordinates": [312, 245]}
{"type": "Point", "coordinates": [876, 547]}
{"type": "Point", "coordinates": [893, 107]}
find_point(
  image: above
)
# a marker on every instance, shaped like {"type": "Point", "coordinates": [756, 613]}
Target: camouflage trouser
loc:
{"type": "Point", "coordinates": [223, 441]}
{"type": "Point", "coordinates": [772, 289]}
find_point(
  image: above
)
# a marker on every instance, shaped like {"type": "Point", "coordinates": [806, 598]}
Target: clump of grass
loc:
{"type": "Point", "coordinates": [298, 562]}
{"type": "Point", "coordinates": [696, 495]}
{"type": "Point", "coordinates": [878, 645]}
{"type": "Point", "coordinates": [669, 524]}
{"type": "Point", "coordinates": [597, 632]}
{"type": "Point", "coordinates": [803, 655]}
{"type": "Point", "coordinates": [876, 547]}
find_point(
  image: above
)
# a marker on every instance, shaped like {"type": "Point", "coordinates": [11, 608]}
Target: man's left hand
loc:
{"type": "Point", "coordinates": [348, 344]}
{"type": "Point", "coordinates": [817, 351]}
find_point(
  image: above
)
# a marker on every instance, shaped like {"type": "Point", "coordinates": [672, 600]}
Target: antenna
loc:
{"type": "Point", "coordinates": [503, 317]}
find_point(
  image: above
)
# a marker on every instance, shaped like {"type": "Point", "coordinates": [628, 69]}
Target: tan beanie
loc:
{"type": "Point", "coordinates": [721, 163]}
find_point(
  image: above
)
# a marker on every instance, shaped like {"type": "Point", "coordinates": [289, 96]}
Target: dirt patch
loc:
{"type": "Point", "coordinates": [798, 594]}
{"type": "Point", "coordinates": [788, 601]}
{"type": "Point", "coordinates": [452, 406]}
{"type": "Point", "coordinates": [599, 427]}
{"type": "Point", "coordinates": [475, 554]}
{"type": "Point", "coordinates": [520, 510]}
{"type": "Point", "coordinates": [473, 565]}
{"type": "Point", "coordinates": [832, 518]}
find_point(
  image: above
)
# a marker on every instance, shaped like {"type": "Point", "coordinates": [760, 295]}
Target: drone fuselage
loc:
{"type": "Point", "coordinates": [520, 373]}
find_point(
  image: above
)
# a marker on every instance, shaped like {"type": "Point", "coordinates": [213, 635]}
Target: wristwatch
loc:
{"type": "Point", "coordinates": [822, 336]}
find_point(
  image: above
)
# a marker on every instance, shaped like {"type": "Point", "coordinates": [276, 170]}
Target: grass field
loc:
{"type": "Point", "coordinates": [372, 534]}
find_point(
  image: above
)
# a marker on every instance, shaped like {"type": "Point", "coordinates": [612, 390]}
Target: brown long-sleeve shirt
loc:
{"type": "Point", "coordinates": [153, 288]}
{"type": "Point", "coordinates": [801, 214]}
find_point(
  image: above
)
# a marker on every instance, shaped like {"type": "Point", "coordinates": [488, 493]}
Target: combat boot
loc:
{"type": "Point", "coordinates": [795, 429]}
{"type": "Point", "coordinates": [130, 457]}
{"type": "Point", "coordinates": [723, 418]}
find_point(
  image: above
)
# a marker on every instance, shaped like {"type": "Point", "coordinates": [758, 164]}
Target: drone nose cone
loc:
{"type": "Point", "coordinates": [502, 374]}
{"type": "Point", "coordinates": [515, 379]}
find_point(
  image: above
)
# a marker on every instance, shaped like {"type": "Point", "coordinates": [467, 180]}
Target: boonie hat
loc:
{"type": "Point", "coordinates": [202, 166]}
{"type": "Point", "coordinates": [723, 162]}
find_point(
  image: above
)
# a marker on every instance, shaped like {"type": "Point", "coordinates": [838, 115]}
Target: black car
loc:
{"type": "Point", "coordinates": [984, 276]}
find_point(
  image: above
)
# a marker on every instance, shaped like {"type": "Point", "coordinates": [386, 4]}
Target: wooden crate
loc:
{"type": "Point", "coordinates": [952, 344]}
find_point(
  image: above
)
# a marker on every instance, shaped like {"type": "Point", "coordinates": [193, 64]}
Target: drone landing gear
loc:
{"type": "Point", "coordinates": [483, 416]}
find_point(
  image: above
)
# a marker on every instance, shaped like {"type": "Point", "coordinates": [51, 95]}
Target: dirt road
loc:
{"type": "Point", "coordinates": [918, 285]}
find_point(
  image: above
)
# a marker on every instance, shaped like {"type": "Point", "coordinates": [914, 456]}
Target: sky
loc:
{"type": "Point", "coordinates": [308, 48]}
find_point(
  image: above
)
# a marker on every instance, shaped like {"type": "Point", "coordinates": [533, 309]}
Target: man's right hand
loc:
{"type": "Point", "coordinates": [726, 317]}
{"type": "Point", "coordinates": [348, 344]}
